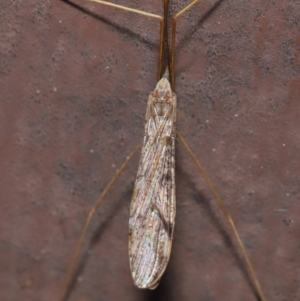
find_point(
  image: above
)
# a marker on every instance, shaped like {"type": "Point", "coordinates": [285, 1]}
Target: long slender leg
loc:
{"type": "Point", "coordinates": [74, 261]}
{"type": "Point", "coordinates": [136, 11]}
{"type": "Point", "coordinates": [228, 217]}
{"type": "Point", "coordinates": [143, 13]}
{"type": "Point", "coordinates": [174, 20]}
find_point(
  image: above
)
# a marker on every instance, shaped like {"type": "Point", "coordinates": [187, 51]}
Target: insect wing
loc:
{"type": "Point", "coordinates": [152, 210]}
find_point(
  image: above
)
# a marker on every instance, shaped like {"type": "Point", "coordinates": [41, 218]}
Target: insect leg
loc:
{"type": "Point", "coordinates": [228, 217]}
{"type": "Point", "coordinates": [73, 264]}
{"type": "Point", "coordinates": [136, 11]}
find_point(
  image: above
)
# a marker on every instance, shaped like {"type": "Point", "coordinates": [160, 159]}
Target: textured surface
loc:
{"type": "Point", "coordinates": [74, 86]}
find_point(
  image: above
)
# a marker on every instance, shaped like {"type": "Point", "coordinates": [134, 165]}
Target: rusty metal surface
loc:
{"type": "Point", "coordinates": [74, 84]}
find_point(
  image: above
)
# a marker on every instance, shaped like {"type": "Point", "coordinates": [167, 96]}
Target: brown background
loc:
{"type": "Point", "coordinates": [74, 84]}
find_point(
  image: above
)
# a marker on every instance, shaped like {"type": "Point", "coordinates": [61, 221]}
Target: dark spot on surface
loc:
{"type": "Point", "coordinates": [168, 176]}
{"type": "Point", "coordinates": [288, 221]}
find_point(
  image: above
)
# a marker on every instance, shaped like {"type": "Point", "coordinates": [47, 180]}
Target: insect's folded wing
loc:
{"type": "Point", "coordinates": [152, 211]}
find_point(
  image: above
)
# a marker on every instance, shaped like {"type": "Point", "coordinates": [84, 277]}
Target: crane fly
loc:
{"type": "Point", "coordinates": [152, 210]}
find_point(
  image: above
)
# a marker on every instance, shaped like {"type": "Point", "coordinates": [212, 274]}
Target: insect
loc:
{"type": "Point", "coordinates": [152, 217]}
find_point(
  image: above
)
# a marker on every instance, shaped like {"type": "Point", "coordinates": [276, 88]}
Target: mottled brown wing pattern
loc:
{"type": "Point", "coordinates": [152, 210]}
